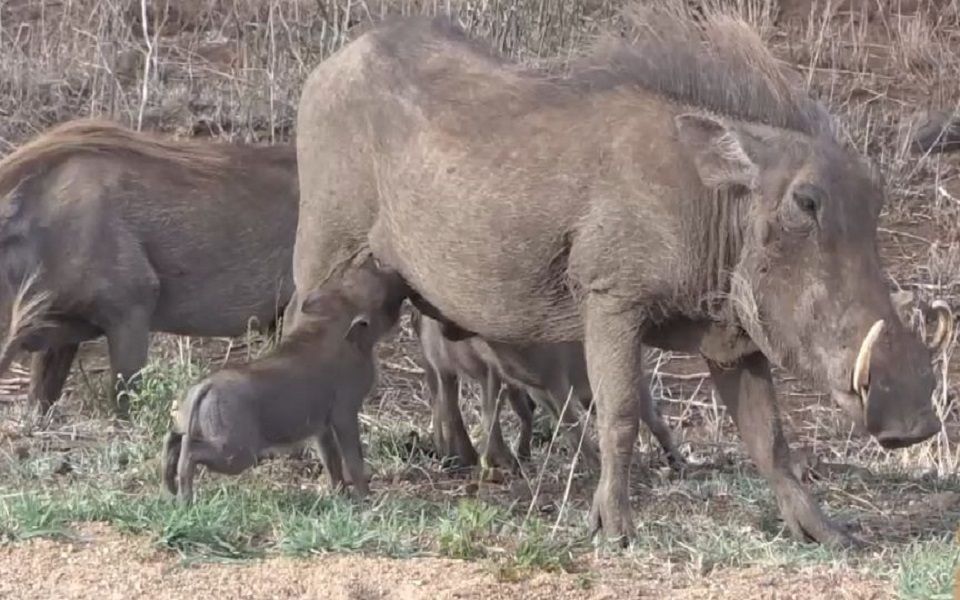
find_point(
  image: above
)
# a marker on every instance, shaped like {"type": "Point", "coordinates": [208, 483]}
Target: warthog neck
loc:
{"type": "Point", "coordinates": [715, 232]}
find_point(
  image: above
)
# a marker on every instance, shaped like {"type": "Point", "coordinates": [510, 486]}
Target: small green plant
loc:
{"type": "Point", "coordinates": [161, 386]}
{"type": "Point", "coordinates": [465, 533]}
{"type": "Point", "coordinates": [21, 519]}
{"type": "Point", "coordinates": [537, 550]}
{"type": "Point", "coordinates": [540, 549]}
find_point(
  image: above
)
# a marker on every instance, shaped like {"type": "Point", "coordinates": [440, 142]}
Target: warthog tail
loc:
{"type": "Point", "coordinates": [193, 400]}
{"type": "Point", "coordinates": [26, 317]}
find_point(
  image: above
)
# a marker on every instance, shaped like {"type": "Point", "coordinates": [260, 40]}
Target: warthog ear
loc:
{"type": "Point", "coordinates": [903, 301]}
{"type": "Point", "coordinates": [358, 328]}
{"type": "Point", "coordinates": [11, 203]}
{"type": "Point", "coordinates": [717, 151]}
{"type": "Point", "coordinates": [943, 335]}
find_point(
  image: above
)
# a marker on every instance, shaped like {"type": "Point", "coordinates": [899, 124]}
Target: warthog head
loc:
{"type": "Point", "coordinates": [376, 293]}
{"type": "Point", "coordinates": [808, 286]}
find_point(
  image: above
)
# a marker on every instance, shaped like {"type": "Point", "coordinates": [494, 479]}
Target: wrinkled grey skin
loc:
{"type": "Point", "coordinates": [551, 374]}
{"type": "Point", "coordinates": [313, 385]}
{"type": "Point", "coordinates": [681, 192]}
{"type": "Point", "coordinates": [127, 234]}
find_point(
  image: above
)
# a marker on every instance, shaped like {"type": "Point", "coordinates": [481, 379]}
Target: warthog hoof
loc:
{"type": "Point", "coordinates": [611, 514]}
{"type": "Point", "coordinates": [184, 496]}
{"type": "Point", "coordinates": [489, 474]}
{"type": "Point", "coordinates": [676, 461]}
{"type": "Point", "coordinates": [523, 450]}
{"type": "Point", "coordinates": [498, 456]}
{"type": "Point", "coordinates": [829, 534]}
{"type": "Point", "coordinates": [459, 461]}
{"type": "Point", "coordinates": [806, 522]}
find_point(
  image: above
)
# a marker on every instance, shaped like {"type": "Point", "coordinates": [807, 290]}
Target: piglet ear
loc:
{"type": "Point", "coordinates": [717, 150]}
{"type": "Point", "coordinates": [358, 329]}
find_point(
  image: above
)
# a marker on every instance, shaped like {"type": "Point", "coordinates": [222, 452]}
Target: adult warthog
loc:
{"type": "Point", "coordinates": [106, 231]}
{"type": "Point", "coordinates": [679, 190]}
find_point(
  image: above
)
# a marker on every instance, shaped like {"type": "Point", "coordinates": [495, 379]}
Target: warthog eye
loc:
{"type": "Point", "coordinates": [809, 198]}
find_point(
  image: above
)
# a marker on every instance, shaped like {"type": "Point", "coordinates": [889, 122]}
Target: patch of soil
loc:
{"type": "Point", "coordinates": [104, 564]}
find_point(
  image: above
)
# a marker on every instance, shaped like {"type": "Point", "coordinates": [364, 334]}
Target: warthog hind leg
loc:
{"type": "Point", "coordinates": [227, 460]}
{"type": "Point", "coordinates": [48, 372]}
{"type": "Point", "coordinates": [169, 460]}
{"type": "Point", "coordinates": [128, 342]}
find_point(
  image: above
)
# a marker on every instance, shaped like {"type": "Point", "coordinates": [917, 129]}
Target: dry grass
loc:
{"type": "Point", "coordinates": [233, 70]}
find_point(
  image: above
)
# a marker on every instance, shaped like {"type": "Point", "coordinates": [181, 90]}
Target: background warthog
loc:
{"type": "Point", "coordinates": [313, 385]}
{"type": "Point", "coordinates": [679, 189]}
{"type": "Point", "coordinates": [936, 131]}
{"type": "Point", "coordinates": [553, 374]}
{"type": "Point", "coordinates": [106, 231]}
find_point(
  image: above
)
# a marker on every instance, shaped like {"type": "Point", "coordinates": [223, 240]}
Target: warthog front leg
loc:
{"type": "Point", "coordinates": [747, 391]}
{"type": "Point", "coordinates": [496, 453]}
{"type": "Point", "coordinates": [48, 372]}
{"type": "Point", "coordinates": [450, 434]}
{"type": "Point", "coordinates": [614, 358]}
{"type": "Point", "coordinates": [331, 458]}
{"type": "Point", "coordinates": [347, 429]}
{"type": "Point", "coordinates": [522, 405]}
{"type": "Point", "coordinates": [437, 426]}
{"type": "Point", "coordinates": [654, 420]}
{"type": "Point", "coordinates": [567, 410]}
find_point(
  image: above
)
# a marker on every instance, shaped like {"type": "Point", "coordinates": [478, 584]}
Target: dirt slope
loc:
{"type": "Point", "coordinates": [105, 565]}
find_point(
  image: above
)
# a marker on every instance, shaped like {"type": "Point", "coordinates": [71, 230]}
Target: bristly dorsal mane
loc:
{"type": "Point", "coordinates": [712, 60]}
{"type": "Point", "coordinates": [709, 60]}
{"type": "Point", "coordinates": [98, 136]}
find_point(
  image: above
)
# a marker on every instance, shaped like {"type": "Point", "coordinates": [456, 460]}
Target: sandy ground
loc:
{"type": "Point", "coordinates": [106, 565]}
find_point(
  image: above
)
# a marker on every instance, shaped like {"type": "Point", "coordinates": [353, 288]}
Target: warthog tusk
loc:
{"type": "Point", "coordinates": [944, 325]}
{"type": "Point", "coordinates": [861, 369]}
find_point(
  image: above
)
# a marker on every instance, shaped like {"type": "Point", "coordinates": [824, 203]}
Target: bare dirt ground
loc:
{"type": "Point", "coordinates": [101, 563]}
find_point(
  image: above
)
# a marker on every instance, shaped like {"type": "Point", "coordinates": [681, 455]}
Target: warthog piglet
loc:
{"type": "Point", "coordinates": [313, 385]}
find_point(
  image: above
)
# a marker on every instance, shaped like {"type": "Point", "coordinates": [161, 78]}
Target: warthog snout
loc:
{"type": "Point", "coordinates": [891, 382]}
{"type": "Point", "coordinates": [926, 428]}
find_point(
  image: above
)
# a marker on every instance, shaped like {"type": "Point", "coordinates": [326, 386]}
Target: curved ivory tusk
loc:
{"type": "Point", "coordinates": [861, 369]}
{"type": "Point", "coordinates": [944, 326]}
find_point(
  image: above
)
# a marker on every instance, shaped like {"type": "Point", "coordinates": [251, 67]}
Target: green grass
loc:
{"type": "Point", "coordinates": [237, 518]}
{"type": "Point", "coordinates": [232, 521]}
{"type": "Point", "coordinates": [721, 521]}
{"type": "Point", "coordinates": [724, 518]}
{"type": "Point", "coordinates": [928, 570]}
{"type": "Point", "coordinates": [253, 516]}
